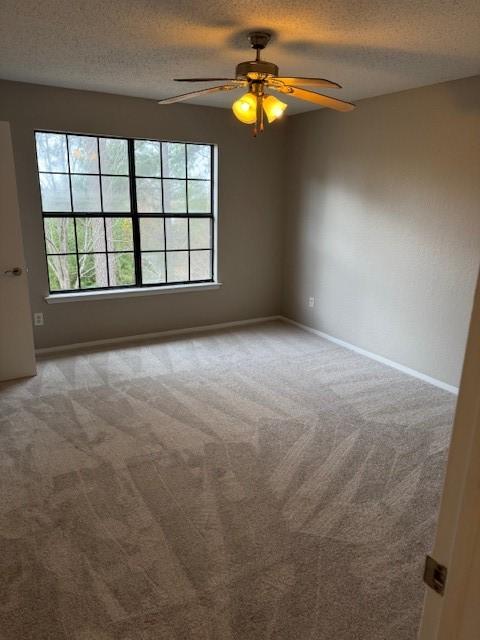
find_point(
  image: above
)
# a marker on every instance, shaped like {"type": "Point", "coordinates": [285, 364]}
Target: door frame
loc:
{"type": "Point", "coordinates": [456, 614]}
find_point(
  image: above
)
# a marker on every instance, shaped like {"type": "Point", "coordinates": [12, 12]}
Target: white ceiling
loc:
{"type": "Point", "coordinates": [135, 47]}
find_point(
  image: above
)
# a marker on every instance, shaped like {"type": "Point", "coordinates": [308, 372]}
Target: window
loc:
{"type": "Point", "coordinates": [119, 212]}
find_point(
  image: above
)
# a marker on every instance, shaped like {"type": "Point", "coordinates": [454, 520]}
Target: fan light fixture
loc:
{"type": "Point", "coordinates": [259, 75]}
{"type": "Point", "coordinates": [273, 107]}
{"type": "Point", "coordinates": [245, 108]}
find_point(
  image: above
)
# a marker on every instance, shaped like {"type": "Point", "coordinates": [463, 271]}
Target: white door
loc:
{"type": "Point", "coordinates": [17, 353]}
{"type": "Point", "coordinates": [456, 614]}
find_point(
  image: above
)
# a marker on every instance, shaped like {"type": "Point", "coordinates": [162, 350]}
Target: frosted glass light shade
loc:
{"type": "Point", "coordinates": [273, 107]}
{"type": "Point", "coordinates": [245, 108]}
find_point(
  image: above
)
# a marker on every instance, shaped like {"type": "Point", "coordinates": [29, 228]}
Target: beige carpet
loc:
{"type": "Point", "coordinates": [257, 483]}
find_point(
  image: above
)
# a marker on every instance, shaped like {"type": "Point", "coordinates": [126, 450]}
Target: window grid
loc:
{"type": "Point", "coordinates": [134, 215]}
{"type": "Point", "coordinates": [165, 265]}
{"type": "Point", "coordinates": [126, 175]}
{"type": "Point", "coordinates": [186, 200]}
{"type": "Point", "coordinates": [134, 209]}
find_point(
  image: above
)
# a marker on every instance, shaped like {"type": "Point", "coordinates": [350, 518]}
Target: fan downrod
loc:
{"type": "Point", "coordinates": [257, 70]}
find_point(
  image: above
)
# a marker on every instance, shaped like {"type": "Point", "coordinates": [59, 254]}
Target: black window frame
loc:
{"type": "Point", "coordinates": [133, 214]}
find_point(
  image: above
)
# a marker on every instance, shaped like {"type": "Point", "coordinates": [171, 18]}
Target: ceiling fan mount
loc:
{"type": "Point", "coordinates": [259, 39]}
{"type": "Point", "coordinates": [259, 75]}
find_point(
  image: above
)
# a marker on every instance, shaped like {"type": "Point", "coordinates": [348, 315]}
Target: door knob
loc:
{"type": "Point", "coordinates": [16, 271]}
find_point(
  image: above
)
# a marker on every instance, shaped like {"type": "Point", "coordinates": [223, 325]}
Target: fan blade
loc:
{"type": "Point", "coordinates": [318, 98]}
{"type": "Point", "coordinates": [194, 94]}
{"type": "Point", "coordinates": [205, 79]}
{"type": "Point", "coordinates": [309, 82]}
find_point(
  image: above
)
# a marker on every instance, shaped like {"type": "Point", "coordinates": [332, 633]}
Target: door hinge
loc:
{"type": "Point", "coordinates": [435, 575]}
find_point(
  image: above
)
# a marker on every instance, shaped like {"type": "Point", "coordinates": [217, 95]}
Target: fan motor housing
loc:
{"type": "Point", "coordinates": [261, 67]}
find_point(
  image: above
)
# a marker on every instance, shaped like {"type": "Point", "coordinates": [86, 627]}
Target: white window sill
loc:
{"type": "Point", "coordinates": [129, 293]}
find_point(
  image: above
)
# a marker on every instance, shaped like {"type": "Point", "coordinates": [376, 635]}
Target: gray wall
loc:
{"type": "Point", "coordinates": [383, 224]}
{"type": "Point", "coordinates": [250, 211]}
{"type": "Point", "coordinates": [380, 209]}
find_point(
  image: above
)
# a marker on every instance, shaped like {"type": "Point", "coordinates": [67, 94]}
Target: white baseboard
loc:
{"type": "Point", "coordinates": [148, 336]}
{"type": "Point", "coordinates": [236, 323]}
{"type": "Point", "coordinates": [400, 367]}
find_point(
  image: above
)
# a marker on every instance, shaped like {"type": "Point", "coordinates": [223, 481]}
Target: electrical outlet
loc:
{"type": "Point", "coordinates": [311, 301]}
{"type": "Point", "coordinates": [38, 319]}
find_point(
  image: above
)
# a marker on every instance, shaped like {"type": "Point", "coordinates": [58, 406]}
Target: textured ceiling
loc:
{"type": "Point", "coordinates": [135, 47]}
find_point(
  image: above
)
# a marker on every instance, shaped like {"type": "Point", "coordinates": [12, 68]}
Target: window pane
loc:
{"type": "Point", "coordinates": [199, 161]}
{"type": "Point", "coordinates": [62, 273]}
{"type": "Point", "coordinates": [149, 195]}
{"type": "Point", "coordinates": [198, 196]}
{"type": "Point", "coordinates": [152, 234]}
{"type": "Point", "coordinates": [200, 265]}
{"type": "Point", "coordinates": [147, 158]}
{"type": "Point", "coordinates": [113, 156]}
{"type": "Point", "coordinates": [86, 193]}
{"type": "Point", "coordinates": [200, 233]}
{"type": "Point", "coordinates": [177, 266]}
{"type": "Point", "coordinates": [83, 154]}
{"type": "Point", "coordinates": [60, 235]}
{"type": "Point", "coordinates": [119, 234]}
{"type": "Point", "coordinates": [52, 152]}
{"type": "Point", "coordinates": [177, 233]}
{"type": "Point", "coordinates": [122, 269]}
{"type": "Point", "coordinates": [90, 234]}
{"type": "Point", "coordinates": [55, 190]}
{"type": "Point", "coordinates": [175, 198]}
{"type": "Point", "coordinates": [116, 194]}
{"type": "Point", "coordinates": [93, 270]}
{"type": "Point", "coordinates": [153, 268]}
{"type": "Point", "coordinates": [173, 158]}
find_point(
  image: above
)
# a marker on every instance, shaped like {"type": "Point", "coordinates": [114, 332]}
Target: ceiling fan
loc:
{"type": "Point", "coordinates": [260, 75]}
